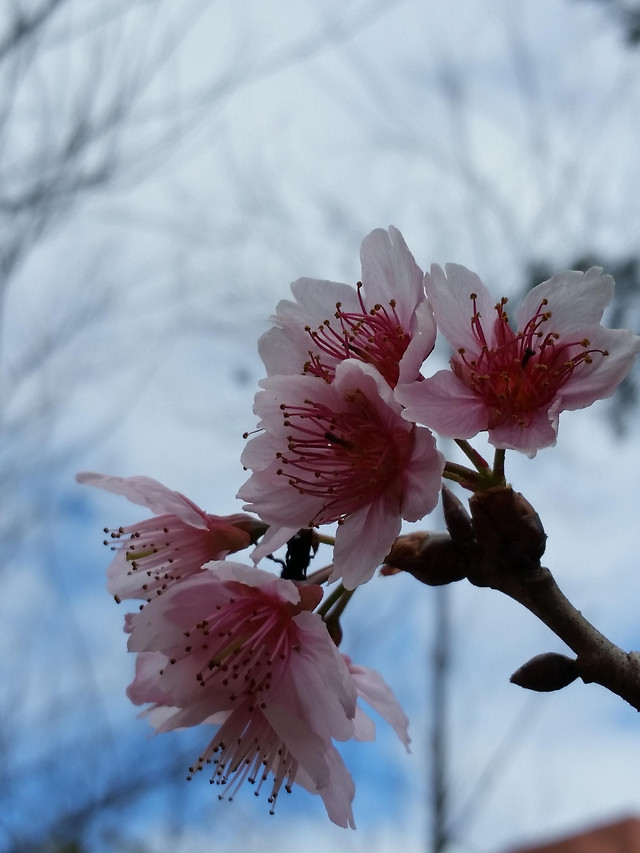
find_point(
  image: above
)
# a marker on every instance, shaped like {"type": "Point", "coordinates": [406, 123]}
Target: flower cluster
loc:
{"type": "Point", "coordinates": [344, 437]}
{"type": "Point", "coordinates": [223, 643]}
{"type": "Point", "coordinates": [334, 445]}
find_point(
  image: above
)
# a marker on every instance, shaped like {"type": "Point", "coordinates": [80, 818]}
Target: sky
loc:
{"type": "Point", "coordinates": [270, 139]}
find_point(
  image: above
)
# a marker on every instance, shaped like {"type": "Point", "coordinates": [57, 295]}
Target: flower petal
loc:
{"type": "Point", "coordinates": [600, 379]}
{"type": "Point", "coordinates": [338, 793]}
{"type": "Point", "coordinates": [150, 493]}
{"type": "Point", "coordinates": [445, 404]}
{"type": "Point", "coordinates": [389, 269]}
{"type": "Point", "coordinates": [541, 431]}
{"type": "Point", "coordinates": [575, 299]}
{"type": "Point", "coordinates": [372, 687]}
{"type": "Point", "coordinates": [363, 540]}
{"type": "Point", "coordinates": [450, 297]}
{"type": "Point", "coordinates": [423, 339]}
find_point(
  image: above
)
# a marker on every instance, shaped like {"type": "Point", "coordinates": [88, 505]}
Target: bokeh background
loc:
{"type": "Point", "coordinates": [166, 170]}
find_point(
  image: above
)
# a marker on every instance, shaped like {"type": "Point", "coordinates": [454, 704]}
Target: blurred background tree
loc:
{"type": "Point", "coordinates": [165, 171]}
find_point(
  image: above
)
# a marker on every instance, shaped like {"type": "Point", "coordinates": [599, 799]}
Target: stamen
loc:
{"type": "Point", "coordinates": [344, 458]}
{"type": "Point", "coordinates": [246, 748]}
{"type": "Point", "coordinates": [373, 336]}
{"type": "Point", "coordinates": [523, 371]}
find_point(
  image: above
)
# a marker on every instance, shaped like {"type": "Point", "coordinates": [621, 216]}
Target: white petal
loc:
{"type": "Point", "coordinates": [450, 298]}
{"type": "Point", "coordinates": [576, 300]}
{"type": "Point", "coordinates": [389, 271]}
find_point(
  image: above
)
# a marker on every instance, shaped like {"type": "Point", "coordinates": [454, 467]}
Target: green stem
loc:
{"type": "Point", "coordinates": [461, 474]}
{"type": "Point", "coordinates": [330, 600]}
{"type": "Point", "coordinates": [479, 463]}
{"type": "Point", "coordinates": [338, 610]}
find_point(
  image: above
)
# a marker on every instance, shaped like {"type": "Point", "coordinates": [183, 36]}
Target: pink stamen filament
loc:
{"type": "Point", "coordinates": [373, 336]}
{"type": "Point", "coordinates": [351, 457]}
{"type": "Point", "coordinates": [246, 747]}
{"type": "Point", "coordinates": [523, 371]}
{"type": "Point", "coordinates": [246, 644]}
{"type": "Point", "coordinates": [153, 547]}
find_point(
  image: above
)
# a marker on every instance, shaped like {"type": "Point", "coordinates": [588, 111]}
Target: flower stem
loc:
{"type": "Point", "coordinates": [338, 609]}
{"type": "Point", "coordinates": [498, 466]}
{"type": "Point", "coordinates": [472, 454]}
{"type": "Point", "coordinates": [331, 599]}
{"type": "Point", "coordinates": [459, 473]}
{"type": "Point", "coordinates": [598, 659]}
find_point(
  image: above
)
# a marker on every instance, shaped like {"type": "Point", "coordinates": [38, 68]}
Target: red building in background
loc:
{"type": "Point", "coordinates": [623, 836]}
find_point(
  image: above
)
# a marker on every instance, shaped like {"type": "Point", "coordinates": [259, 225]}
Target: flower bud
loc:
{"type": "Point", "coordinates": [507, 527]}
{"type": "Point", "coordinates": [253, 526]}
{"type": "Point", "coordinates": [456, 518]}
{"type": "Point", "coordinates": [546, 672]}
{"type": "Point", "coordinates": [432, 558]}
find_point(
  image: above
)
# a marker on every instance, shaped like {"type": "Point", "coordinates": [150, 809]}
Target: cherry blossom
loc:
{"type": "Point", "coordinates": [339, 452]}
{"type": "Point", "coordinates": [246, 745]}
{"type": "Point", "coordinates": [515, 384]}
{"type": "Point", "coordinates": [176, 543]}
{"type": "Point", "coordinates": [246, 748]}
{"type": "Point", "coordinates": [240, 647]}
{"type": "Point", "coordinates": [385, 320]}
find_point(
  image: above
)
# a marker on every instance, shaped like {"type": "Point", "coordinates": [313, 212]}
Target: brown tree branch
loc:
{"type": "Point", "coordinates": [500, 546]}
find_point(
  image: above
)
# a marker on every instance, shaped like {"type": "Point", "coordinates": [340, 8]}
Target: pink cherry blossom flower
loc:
{"type": "Point", "coordinates": [174, 544]}
{"type": "Point", "coordinates": [515, 384]}
{"type": "Point", "coordinates": [247, 748]}
{"type": "Point", "coordinates": [385, 321]}
{"type": "Point", "coordinates": [240, 647]}
{"type": "Point", "coordinates": [340, 452]}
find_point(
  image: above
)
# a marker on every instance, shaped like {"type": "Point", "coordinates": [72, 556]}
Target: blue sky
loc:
{"type": "Point", "coordinates": [492, 135]}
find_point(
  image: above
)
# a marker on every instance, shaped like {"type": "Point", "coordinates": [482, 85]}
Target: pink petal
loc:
{"type": "Point", "coordinates": [364, 727]}
{"type": "Point", "coordinates": [363, 540]}
{"type": "Point", "coordinates": [389, 270]}
{"type": "Point", "coordinates": [274, 538]}
{"type": "Point", "coordinates": [423, 339]}
{"type": "Point", "coordinates": [302, 741]}
{"type": "Point", "coordinates": [271, 497]}
{"type": "Point", "coordinates": [315, 300]}
{"type": "Point", "coordinates": [449, 294]}
{"type": "Point", "coordinates": [600, 379]}
{"type": "Point", "coordinates": [285, 348]}
{"type": "Point", "coordinates": [338, 793]}
{"type": "Point", "coordinates": [422, 477]}
{"type": "Point", "coordinates": [541, 431]}
{"type": "Point", "coordinates": [372, 687]}
{"type": "Point", "coordinates": [575, 299]}
{"type": "Point", "coordinates": [150, 493]}
{"type": "Point", "coordinates": [318, 686]}
{"type": "Point", "coordinates": [145, 686]}
{"type": "Point", "coordinates": [445, 404]}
